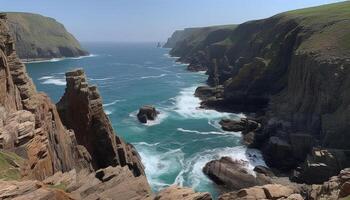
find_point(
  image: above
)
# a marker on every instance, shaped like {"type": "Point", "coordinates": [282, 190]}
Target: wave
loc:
{"type": "Point", "coordinates": [112, 103]}
{"type": "Point", "coordinates": [187, 105]}
{"type": "Point", "coordinates": [159, 119]}
{"type": "Point", "coordinates": [59, 59]}
{"type": "Point", "coordinates": [108, 112]}
{"type": "Point", "coordinates": [101, 79]}
{"type": "Point", "coordinates": [46, 77]}
{"type": "Point", "coordinates": [192, 174]}
{"type": "Point", "coordinates": [146, 144]}
{"type": "Point", "coordinates": [206, 132]}
{"type": "Point", "coordinates": [159, 76]}
{"type": "Point", "coordinates": [159, 163]}
{"type": "Point", "coordinates": [54, 81]}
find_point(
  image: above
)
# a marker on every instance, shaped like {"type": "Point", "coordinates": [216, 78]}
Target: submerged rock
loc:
{"type": "Point", "coordinates": [147, 113]}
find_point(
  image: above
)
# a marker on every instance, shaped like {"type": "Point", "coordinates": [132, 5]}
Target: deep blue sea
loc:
{"type": "Point", "coordinates": [176, 146]}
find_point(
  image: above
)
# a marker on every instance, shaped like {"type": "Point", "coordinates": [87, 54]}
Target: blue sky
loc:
{"type": "Point", "coordinates": [149, 20]}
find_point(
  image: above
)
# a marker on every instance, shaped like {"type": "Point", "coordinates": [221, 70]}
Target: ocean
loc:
{"type": "Point", "coordinates": [176, 146]}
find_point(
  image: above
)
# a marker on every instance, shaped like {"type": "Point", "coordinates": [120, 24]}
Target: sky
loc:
{"type": "Point", "coordinates": [149, 20]}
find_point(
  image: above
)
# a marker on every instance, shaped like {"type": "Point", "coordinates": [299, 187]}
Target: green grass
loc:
{"type": "Point", "coordinates": [8, 168]}
{"type": "Point", "coordinates": [61, 186]}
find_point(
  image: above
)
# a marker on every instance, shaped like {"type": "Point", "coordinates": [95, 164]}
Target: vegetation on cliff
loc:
{"type": "Point", "coordinates": [39, 37]}
{"type": "Point", "coordinates": [292, 71]}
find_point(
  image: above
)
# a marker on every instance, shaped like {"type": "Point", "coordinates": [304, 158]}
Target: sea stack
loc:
{"type": "Point", "coordinates": [146, 113]}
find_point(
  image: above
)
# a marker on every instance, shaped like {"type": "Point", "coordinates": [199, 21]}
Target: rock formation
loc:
{"type": "Point", "coordinates": [41, 159]}
{"type": "Point", "coordinates": [287, 71]}
{"type": "Point", "coordinates": [175, 192]}
{"type": "Point", "coordinates": [147, 113]}
{"type": "Point", "coordinates": [29, 122]}
{"type": "Point", "coordinates": [38, 37]}
{"type": "Point", "coordinates": [81, 110]}
{"type": "Point", "coordinates": [270, 191]}
{"type": "Point", "coordinates": [233, 174]}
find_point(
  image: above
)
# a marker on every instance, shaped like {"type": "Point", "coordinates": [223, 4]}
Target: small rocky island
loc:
{"type": "Point", "coordinates": [146, 113]}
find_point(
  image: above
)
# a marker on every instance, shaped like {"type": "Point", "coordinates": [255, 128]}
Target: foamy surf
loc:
{"type": "Point", "coordinates": [54, 81]}
{"type": "Point", "coordinates": [112, 103]}
{"type": "Point", "coordinates": [159, 163]}
{"type": "Point", "coordinates": [59, 59]}
{"type": "Point", "coordinates": [193, 176]}
{"type": "Point", "coordinates": [187, 105]}
{"type": "Point", "coordinates": [207, 132]}
{"type": "Point", "coordinates": [159, 76]}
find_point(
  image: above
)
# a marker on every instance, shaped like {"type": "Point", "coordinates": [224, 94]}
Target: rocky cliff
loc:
{"type": "Point", "coordinates": [66, 152]}
{"type": "Point", "coordinates": [38, 37]}
{"type": "Point", "coordinates": [31, 128]}
{"type": "Point", "coordinates": [292, 71]}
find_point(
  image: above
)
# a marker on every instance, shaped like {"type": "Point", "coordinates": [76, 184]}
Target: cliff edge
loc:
{"type": "Point", "coordinates": [290, 72]}
{"type": "Point", "coordinates": [38, 37]}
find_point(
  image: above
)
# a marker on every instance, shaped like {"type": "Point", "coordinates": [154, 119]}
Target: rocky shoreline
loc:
{"type": "Point", "coordinates": [64, 151]}
{"type": "Point", "coordinates": [287, 77]}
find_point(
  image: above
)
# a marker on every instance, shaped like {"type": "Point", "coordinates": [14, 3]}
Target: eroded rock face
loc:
{"type": "Point", "coordinates": [147, 113]}
{"type": "Point", "coordinates": [270, 191]}
{"type": "Point", "coordinates": [81, 110]}
{"type": "Point", "coordinates": [176, 192]}
{"type": "Point", "coordinates": [30, 190]}
{"type": "Point", "coordinates": [29, 122]}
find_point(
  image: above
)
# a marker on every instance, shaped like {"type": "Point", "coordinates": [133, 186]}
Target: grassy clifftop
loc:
{"type": "Point", "coordinates": [42, 37]}
{"type": "Point", "coordinates": [294, 68]}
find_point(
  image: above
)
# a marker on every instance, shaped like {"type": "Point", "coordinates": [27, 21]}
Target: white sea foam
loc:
{"type": "Point", "coordinates": [46, 77]}
{"type": "Point", "coordinates": [192, 170]}
{"type": "Point", "coordinates": [159, 163]}
{"type": "Point", "coordinates": [60, 59]}
{"type": "Point", "coordinates": [187, 105]}
{"type": "Point", "coordinates": [101, 79]}
{"type": "Point", "coordinates": [207, 132]}
{"type": "Point", "coordinates": [108, 112]}
{"type": "Point", "coordinates": [112, 103]}
{"type": "Point", "coordinates": [159, 76]}
{"type": "Point", "coordinates": [54, 81]}
{"type": "Point", "coordinates": [159, 119]}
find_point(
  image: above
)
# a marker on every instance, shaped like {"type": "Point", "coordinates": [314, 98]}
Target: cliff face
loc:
{"type": "Point", "coordinates": [81, 110]}
{"type": "Point", "coordinates": [39, 37]}
{"type": "Point", "coordinates": [29, 122]}
{"type": "Point", "coordinates": [293, 71]}
{"type": "Point", "coordinates": [91, 163]}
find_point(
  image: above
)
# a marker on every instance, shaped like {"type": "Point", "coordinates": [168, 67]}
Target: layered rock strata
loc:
{"type": "Point", "coordinates": [81, 110]}
{"type": "Point", "coordinates": [287, 71]}
{"type": "Point", "coordinates": [29, 122]}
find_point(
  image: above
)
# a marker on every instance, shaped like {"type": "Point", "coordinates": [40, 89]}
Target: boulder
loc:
{"type": "Point", "coordinates": [207, 92]}
{"type": "Point", "coordinates": [176, 192]}
{"type": "Point", "coordinates": [147, 113]}
{"type": "Point", "coordinates": [232, 174]}
{"type": "Point", "coordinates": [264, 170]}
{"type": "Point", "coordinates": [244, 125]}
{"type": "Point", "coordinates": [270, 191]}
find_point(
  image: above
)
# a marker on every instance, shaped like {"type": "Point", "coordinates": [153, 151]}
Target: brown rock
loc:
{"type": "Point", "coordinates": [147, 113]}
{"type": "Point", "coordinates": [81, 109]}
{"type": "Point", "coordinates": [275, 191]}
{"type": "Point", "coordinates": [176, 192]}
{"type": "Point", "coordinates": [232, 174]}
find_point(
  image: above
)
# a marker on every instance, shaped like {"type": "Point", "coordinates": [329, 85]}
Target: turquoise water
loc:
{"type": "Point", "coordinates": [177, 145]}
